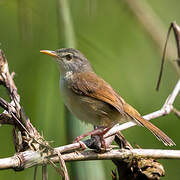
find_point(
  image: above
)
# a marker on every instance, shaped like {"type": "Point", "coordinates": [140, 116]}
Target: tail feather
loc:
{"type": "Point", "coordinates": [156, 131]}
{"type": "Point", "coordinates": [135, 116]}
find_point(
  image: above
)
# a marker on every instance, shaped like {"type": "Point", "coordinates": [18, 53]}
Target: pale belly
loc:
{"type": "Point", "coordinates": [90, 110]}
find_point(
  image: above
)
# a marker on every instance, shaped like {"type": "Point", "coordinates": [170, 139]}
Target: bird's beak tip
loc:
{"type": "Point", "coordinates": [48, 52]}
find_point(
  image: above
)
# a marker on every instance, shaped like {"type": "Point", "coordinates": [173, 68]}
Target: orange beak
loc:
{"type": "Point", "coordinates": [50, 53]}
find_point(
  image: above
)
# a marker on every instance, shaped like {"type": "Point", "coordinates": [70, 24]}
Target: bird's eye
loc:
{"type": "Point", "coordinates": [69, 57]}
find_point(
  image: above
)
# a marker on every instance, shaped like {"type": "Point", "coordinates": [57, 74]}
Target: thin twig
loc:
{"type": "Point", "coordinates": [163, 58]}
{"type": "Point", "coordinates": [63, 166]}
{"type": "Point", "coordinates": [177, 113]}
{"type": "Point", "coordinates": [176, 30]}
{"type": "Point", "coordinates": [56, 168]}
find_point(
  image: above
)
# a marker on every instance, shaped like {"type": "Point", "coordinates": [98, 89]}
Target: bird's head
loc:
{"type": "Point", "coordinates": [69, 60]}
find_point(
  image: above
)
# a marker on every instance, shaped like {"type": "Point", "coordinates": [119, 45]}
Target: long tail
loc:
{"type": "Point", "coordinates": [156, 131]}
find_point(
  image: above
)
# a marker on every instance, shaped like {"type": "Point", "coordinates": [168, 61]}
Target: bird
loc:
{"type": "Point", "coordinates": [91, 99]}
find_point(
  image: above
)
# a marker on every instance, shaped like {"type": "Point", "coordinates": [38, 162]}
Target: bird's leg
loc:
{"type": "Point", "coordinates": [90, 133]}
{"type": "Point", "coordinates": [100, 131]}
{"type": "Point", "coordinates": [79, 138]}
{"type": "Point", "coordinates": [101, 135]}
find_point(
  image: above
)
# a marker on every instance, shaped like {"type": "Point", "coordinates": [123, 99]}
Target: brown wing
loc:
{"type": "Point", "coordinates": [91, 85]}
{"type": "Point", "coordinates": [85, 84]}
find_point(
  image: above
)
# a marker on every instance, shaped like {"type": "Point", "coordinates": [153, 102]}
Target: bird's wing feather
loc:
{"type": "Point", "coordinates": [132, 113]}
{"type": "Point", "coordinates": [85, 84]}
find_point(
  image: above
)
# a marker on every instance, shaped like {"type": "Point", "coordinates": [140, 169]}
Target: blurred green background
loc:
{"type": "Point", "coordinates": [120, 50]}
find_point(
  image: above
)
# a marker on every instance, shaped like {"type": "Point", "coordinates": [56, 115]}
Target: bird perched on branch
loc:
{"type": "Point", "coordinates": [93, 100]}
